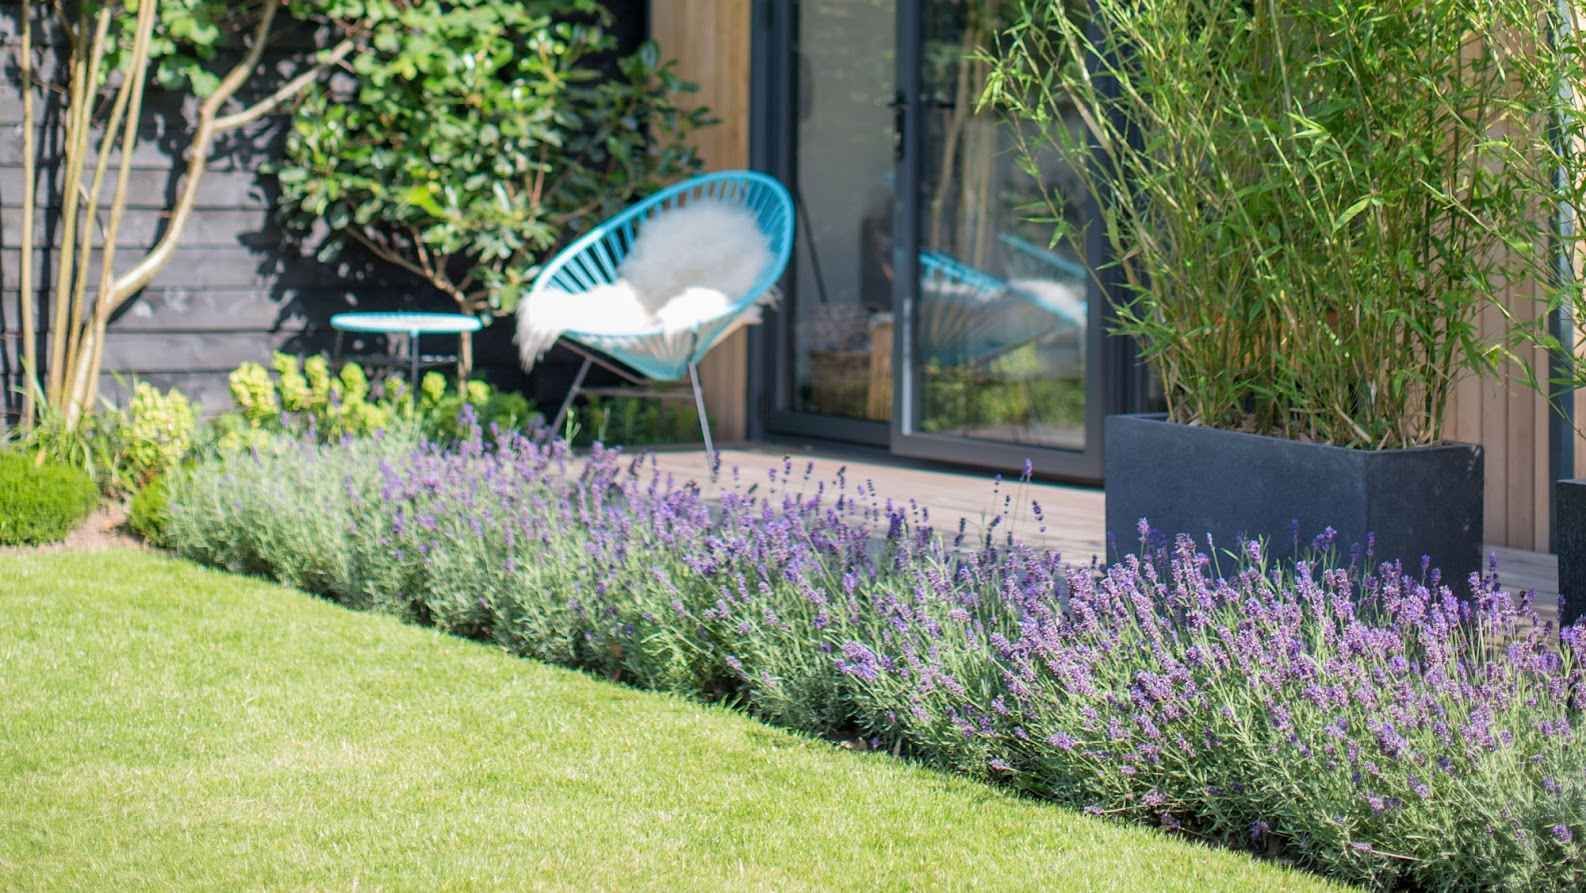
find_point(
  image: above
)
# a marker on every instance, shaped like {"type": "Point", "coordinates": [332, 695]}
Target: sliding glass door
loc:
{"type": "Point", "coordinates": [835, 134]}
{"type": "Point", "coordinates": [924, 312]}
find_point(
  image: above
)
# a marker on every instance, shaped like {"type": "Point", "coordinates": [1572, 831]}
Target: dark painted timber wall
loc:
{"type": "Point", "coordinates": [237, 289]}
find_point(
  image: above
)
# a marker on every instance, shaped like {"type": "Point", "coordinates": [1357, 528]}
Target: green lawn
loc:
{"type": "Point", "coordinates": [163, 725]}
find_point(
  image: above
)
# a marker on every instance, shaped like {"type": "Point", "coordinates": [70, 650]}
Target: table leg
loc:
{"type": "Point", "coordinates": [413, 362]}
{"type": "Point", "coordinates": [465, 358]}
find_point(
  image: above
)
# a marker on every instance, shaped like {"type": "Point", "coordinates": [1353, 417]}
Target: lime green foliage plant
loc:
{"type": "Point", "coordinates": [1311, 202]}
{"type": "Point", "coordinates": [157, 431]}
{"type": "Point", "coordinates": [304, 396]}
{"type": "Point", "coordinates": [480, 136]}
{"type": "Point", "coordinates": [40, 502]}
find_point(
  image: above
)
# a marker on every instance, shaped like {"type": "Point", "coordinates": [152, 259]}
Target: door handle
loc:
{"type": "Point", "coordinates": [899, 106]}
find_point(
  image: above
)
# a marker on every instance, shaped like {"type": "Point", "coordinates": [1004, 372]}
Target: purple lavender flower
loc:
{"type": "Point", "coordinates": [858, 660]}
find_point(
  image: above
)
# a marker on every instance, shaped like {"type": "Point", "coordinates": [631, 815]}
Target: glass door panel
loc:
{"type": "Point", "coordinates": [845, 54]}
{"type": "Point", "coordinates": [1000, 320]}
{"type": "Point", "coordinates": [924, 313]}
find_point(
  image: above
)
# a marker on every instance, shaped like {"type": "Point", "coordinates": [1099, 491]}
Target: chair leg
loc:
{"type": "Point", "coordinates": [572, 392]}
{"type": "Point", "coordinates": [699, 404]}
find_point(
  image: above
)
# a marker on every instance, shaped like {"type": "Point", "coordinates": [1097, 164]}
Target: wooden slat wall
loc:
{"type": "Point", "coordinates": [710, 41]}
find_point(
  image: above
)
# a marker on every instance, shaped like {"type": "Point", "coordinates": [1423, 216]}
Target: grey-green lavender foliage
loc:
{"type": "Point", "coordinates": [1362, 721]}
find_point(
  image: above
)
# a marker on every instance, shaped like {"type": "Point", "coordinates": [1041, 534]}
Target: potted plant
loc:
{"type": "Point", "coordinates": [1309, 204]}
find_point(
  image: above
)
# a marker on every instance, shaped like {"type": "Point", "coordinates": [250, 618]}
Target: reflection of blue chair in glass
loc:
{"type": "Point", "coordinates": [660, 355]}
{"type": "Point", "coordinates": [967, 316]}
{"type": "Point", "coordinates": [1025, 258]}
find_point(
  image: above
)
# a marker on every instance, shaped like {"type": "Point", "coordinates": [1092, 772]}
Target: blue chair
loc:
{"type": "Point", "coordinates": [593, 260]}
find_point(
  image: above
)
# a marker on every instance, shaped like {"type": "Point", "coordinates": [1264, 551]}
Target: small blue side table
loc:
{"type": "Point", "coordinates": [412, 325]}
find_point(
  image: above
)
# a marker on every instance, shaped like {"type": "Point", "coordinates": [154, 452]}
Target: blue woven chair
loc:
{"type": "Point", "coordinates": [593, 260]}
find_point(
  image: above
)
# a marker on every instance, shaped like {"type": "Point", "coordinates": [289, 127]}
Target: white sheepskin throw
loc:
{"type": "Point", "coordinates": [688, 265]}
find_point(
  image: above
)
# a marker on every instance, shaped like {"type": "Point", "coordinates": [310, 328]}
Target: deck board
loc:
{"type": "Point", "coordinates": [1074, 515]}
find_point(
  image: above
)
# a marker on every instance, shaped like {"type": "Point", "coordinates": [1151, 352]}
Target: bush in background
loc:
{"type": "Point", "coordinates": [120, 449]}
{"type": "Point", "coordinates": [149, 512]}
{"type": "Point", "coordinates": [303, 397]}
{"type": "Point", "coordinates": [41, 503]}
{"type": "Point", "coordinates": [634, 421]}
{"type": "Point", "coordinates": [482, 136]}
{"type": "Point", "coordinates": [1362, 721]}
{"type": "Point", "coordinates": [157, 431]}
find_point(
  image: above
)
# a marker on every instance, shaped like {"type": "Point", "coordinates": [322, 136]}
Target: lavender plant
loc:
{"type": "Point", "coordinates": [1364, 722]}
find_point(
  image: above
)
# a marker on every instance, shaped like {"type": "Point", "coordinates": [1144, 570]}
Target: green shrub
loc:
{"type": "Point", "coordinates": [150, 511]}
{"type": "Point", "coordinates": [41, 503]}
{"type": "Point", "coordinates": [156, 431]}
{"type": "Point", "coordinates": [92, 445]}
{"type": "Point", "coordinates": [439, 408]}
{"type": "Point", "coordinates": [484, 135]}
{"type": "Point", "coordinates": [304, 396]}
{"type": "Point", "coordinates": [634, 421]}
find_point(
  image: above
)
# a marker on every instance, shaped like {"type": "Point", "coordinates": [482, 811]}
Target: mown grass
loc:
{"type": "Point", "coordinates": [162, 726]}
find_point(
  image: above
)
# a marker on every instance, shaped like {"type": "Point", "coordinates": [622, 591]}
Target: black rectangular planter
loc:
{"type": "Point", "coordinates": [1569, 531]}
{"type": "Point", "coordinates": [1194, 480]}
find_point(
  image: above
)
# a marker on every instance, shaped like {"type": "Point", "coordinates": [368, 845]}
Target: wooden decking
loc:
{"type": "Point", "coordinates": [1073, 516]}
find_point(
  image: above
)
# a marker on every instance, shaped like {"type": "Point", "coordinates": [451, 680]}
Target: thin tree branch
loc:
{"type": "Point", "coordinates": [431, 275]}
{"type": "Point", "coordinates": [76, 148]}
{"type": "Point", "coordinates": [87, 385]}
{"type": "Point", "coordinates": [130, 282]}
{"type": "Point", "coordinates": [30, 349]}
{"type": "Point", "coordinates": [288, 90]}
{"type": "Point", "coordinates": [90, 199]}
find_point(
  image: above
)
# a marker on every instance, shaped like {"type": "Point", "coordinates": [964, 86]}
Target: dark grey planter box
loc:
{"type": "Point", "coordinates": [1569, 532]}
{"type": "Point", "coordinates": [1193, 480]}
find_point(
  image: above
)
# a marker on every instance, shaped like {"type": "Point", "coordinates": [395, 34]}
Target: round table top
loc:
{"type": "Point", "coordinates": [410, 323]}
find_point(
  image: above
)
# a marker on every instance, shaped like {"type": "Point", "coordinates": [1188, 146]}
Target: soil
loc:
{"type": "Point", "coordinates": [106, 528]}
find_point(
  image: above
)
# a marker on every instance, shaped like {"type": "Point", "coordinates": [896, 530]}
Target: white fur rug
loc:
{"type": "Point", "coordinates": [687, 266]}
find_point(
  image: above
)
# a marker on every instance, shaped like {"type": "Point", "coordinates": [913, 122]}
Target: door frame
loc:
{"type": "Point", "coordinates": [1114, 379]}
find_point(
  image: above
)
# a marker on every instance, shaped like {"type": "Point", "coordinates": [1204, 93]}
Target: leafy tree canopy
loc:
{"type": "Point", "coordinates": [478, 136]}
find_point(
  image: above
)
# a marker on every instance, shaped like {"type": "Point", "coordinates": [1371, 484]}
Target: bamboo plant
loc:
{"type": "Point", "coordinates": [1312, 204]}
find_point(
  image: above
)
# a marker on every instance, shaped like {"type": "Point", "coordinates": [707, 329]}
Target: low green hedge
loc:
{"type": "Point", "coordinates": [41, 503]}
{"type": "Point", "coordinates": [150, 508]}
